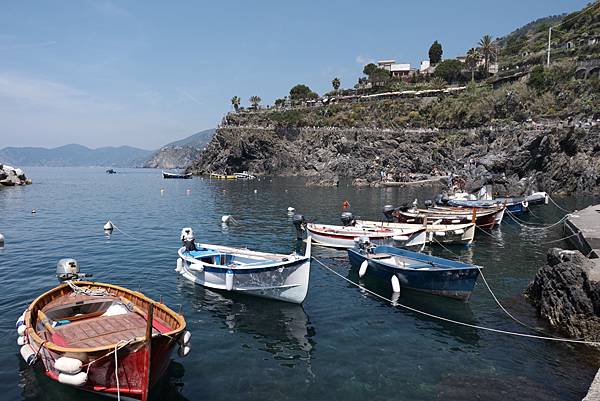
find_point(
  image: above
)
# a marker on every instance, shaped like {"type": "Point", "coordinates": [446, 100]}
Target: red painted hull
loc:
{"type": "Point", "coordinates": [131, 367]}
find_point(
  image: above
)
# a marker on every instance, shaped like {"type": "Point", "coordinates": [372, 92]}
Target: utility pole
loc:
{"type": "Point", "coordinates": [549, 41]}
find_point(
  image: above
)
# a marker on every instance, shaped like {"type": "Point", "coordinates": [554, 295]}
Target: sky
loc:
{"type": "Point", "coordinates": [145, 73]}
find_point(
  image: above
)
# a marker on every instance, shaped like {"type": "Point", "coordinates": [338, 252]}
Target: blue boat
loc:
{"type": "Point", "coordinates": [415, 271]}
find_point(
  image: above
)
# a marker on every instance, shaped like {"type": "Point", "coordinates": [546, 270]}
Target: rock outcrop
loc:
{"type": "Point", "coordinates": [555, 156]}
{"type": "Point", "coordinates": [566, 292]}
{"type": "Point", "coordinates": [172, 157]}
{"type": "Point", "coordinates": [10, 176]}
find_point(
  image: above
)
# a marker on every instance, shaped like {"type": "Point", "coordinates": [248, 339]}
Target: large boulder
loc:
{"type": "Point", "coordinates": [566, 292]}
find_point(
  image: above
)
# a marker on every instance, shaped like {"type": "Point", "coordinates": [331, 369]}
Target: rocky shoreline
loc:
{"type": "Point", "coordinates": [10, 176]}
{"type": "Point", "coordinates": [558, 156]}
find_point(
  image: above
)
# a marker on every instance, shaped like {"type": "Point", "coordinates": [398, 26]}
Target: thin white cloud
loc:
{"type": "Point", "coordinates": [363, 60]}
{"type": "Point", "coordinates": [189, 96]}
{"type": "Point", "coordinates": [19, 46]}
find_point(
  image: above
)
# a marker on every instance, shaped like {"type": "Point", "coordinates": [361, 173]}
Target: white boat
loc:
{"type": "Point", "coordinates": [268, 275]}
{"type": "Point", "coordinates": [244, 176]}
{"type": "Point", "coordinates": [343, 236]}
{"type": "Point", "coordinates": [441, 233]}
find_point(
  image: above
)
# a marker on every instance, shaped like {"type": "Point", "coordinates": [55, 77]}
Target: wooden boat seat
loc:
{"type": "Point", "coordinates": [102, 331]}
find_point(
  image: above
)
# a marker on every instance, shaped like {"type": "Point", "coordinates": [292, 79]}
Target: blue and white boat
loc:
{"type": "Point", "coordinates": [513, 205]}
{"type": "Point", "coordinates": [414, 270]}
{"type": "Point", "coordinates": [268, 275]}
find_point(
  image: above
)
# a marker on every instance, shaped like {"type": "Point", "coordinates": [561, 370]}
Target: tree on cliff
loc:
{"type": "Point", "coordinates": [369, 69]}
{"type": "Point", "coordinates": [435, 53]}
{"type": "Point", "coordinates": [488, 51]}
{"type": "Point", "coordinates": [301, 93]}
{"type": "Point", "coordinates": [254, 101]}
{"type": "Point", "coordinates": [235, 101]}
{"type": "Point", "coordinates": [336, 83]}
{"type": "Point", "coordinates": [449, 71]}
{"type": "Point", "coordinates": [472, 60]}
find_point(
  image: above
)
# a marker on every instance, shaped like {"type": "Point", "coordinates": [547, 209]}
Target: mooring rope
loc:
{"type": "Point", "coordinates": [558, 206]}
{"type": "Point", "coordinates": [530, 226]}
{"type": "Point", "coordinates": [445, 319]}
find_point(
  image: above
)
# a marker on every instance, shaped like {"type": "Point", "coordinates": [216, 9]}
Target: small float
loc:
{"type": "Point", "coordinates": [98, 337]}
{"type": "Point", "coordinates": [268, 275]}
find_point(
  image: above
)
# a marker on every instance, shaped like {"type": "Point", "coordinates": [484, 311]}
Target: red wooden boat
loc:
{"type": "Point", "coordinates": [483, 218]}
{"type": "Point", "coordinates": [101, 338]}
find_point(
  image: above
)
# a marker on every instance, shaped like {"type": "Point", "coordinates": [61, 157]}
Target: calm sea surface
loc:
{"type": "Point", "coordinates": [340, 344]}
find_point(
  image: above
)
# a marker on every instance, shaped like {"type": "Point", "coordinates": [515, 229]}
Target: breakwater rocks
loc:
{"type": "Point", "coordinates": [555, 156]}
{"type": "Point", "coordinates": [566, 292]}
{"type": "Point", "coordinates": [10, 176]}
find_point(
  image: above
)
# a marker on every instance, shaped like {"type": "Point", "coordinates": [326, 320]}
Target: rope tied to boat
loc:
{"type": "Point", "coordinates": [523, 223]}
{"type": "Point", "coordinates": [448, 320]}
{"type": "Point", "coordinates": [558, 206]}
{"type": "Point", "coordinates": [87, 291]}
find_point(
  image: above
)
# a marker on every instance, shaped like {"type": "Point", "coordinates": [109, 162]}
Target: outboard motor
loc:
{"type": "Point", "coordinates": [68, 269]}
{"type": "Point", "coordinates": [445, 199]}
{"type": "Point", "coordinates": [299, 222]}
{"type": "Point", "coordinates": [347, 219]}
{"type": "Point", "coordinates": [388, 212]}
{"type": "Point", "coordinates": [362, 242]}
{"type": "Point", "coordinates": [188, 240]}
{"type": "Point", "coordinates": [438, 199]}
{"type": "Point", "coordinates": [428, 203]}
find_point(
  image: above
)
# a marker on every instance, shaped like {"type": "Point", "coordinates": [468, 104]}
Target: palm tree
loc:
{"type": "Point", "coordinates": [235, 101]}
{"type": "Point", "coordinates": [488, 50]}
{"type": "Point", "coordinates": [255, 100]}
{"type": "Point", "coordinates": [472, 60]}
{"type": "Point", "coordinates": [336, 84]}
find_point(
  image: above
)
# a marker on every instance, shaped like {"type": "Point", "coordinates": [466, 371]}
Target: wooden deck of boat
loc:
{"type": "Point", "coordinates": [586, 223]}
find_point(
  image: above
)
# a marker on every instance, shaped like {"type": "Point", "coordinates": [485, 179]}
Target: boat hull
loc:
{"type": "Point", "coordinates": [283, 281]}
{"type": "Point", "coordinates": [177, 176]}
{"type": "Point", "coordinates": [343, 237]}
{"type": "Point", "coordinates": [458, 284]}
{"type": "Point", "coordinates": [486, 220]}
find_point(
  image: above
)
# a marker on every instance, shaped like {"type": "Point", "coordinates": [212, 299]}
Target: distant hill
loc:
{"type": "Point", "coordinates": [180, 154]}
{"type": "Point", "coordinates": [74, 156]}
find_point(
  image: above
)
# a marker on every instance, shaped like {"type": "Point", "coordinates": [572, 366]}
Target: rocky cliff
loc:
{"type": "Point", "coordinates": [181, 153]}
{"type": "Point", "coordinates": [551, 155]}
{"type": "Point", "coordinates": [566, 292]}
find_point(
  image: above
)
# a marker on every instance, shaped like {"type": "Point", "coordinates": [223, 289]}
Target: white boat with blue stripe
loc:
{"type": "Point", "coordinates": [268, 275]}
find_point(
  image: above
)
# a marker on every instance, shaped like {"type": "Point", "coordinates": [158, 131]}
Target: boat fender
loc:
{"type": "Point", "coordinates": [21, 320]}
{"type": "Point", "coordinates": [184, 351]}
{"type": "Point", "coordinates": [28, 354]}
{"type": "Point", "coordinates": [545, 202]}
{"type": "Point", "coordinates": [21, 329]}
{"type": "Point", "coordinates": [74, 380]}
{"type": "Point", "coordinates": [179, 268]}
{"type": "Point", "coordinates": [363, 268]}
{"type": "Point", "coordinates": [525, 204]}
{"type": "Point", "coordinates": [22, 340]}
{"type": "Point", "coordinates": [395, 284]}
{"type": "Point", "coordinates": [68, 365]}
{"type": "Point", "coordinates": [185, 339]}
{"type": "Point", "coordinates": [460, 231]}
{"type": "Point", "coordinates": [229, 280]}
{"type": "Point", "coordinates": [440, 234]}
{"type": "Point", "coordinates": [455, 221]}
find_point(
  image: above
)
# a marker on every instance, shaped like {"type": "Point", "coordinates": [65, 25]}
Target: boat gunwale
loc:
{"type": "Point", "coordinates": [31, 332]}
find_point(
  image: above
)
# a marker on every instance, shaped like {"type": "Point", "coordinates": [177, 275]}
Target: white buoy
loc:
{"type": "Point", "coordinates": [74, 380]}
{"type": "Point", "coordinates": [225, 219]}
{"type": "Point", "coordinates": [229, 280]}
{"type": "Point", "coordinates": [184, 351]}
{"type": "Point", "coordinates": [395, 284]}
{"type": "Point", "coordinates": [1, 240]}
{"type": "Point", "coordinates": [187, 336]}
{"type": "Point", "coordinates": [68, 365]}
{"type": "Point", "coordinates": [33, 211]}
{"type": "Point", "coordinates": [256, 191]}
{"type": "Point", "coordinates": [291, 209]}
{"type": "Point", "coordinates": [179, 267]}
{"type": "Point", "coordinates": [188, 191]}
{"type": "Point", "coordinates": [363, 268]}
{"type": "Point", "coordinates": [28, 354]}
{"type": "Point", "coordinates": [108, 226]}
{"type": "Point", "coordinates": [162, 191]}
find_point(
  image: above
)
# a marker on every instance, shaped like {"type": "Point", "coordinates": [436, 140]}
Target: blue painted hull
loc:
{"type": "Point", "coordinates": [452, 283]}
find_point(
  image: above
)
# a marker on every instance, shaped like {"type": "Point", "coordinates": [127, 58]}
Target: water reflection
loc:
{"type": "Point", "coordinates": [283, 329]}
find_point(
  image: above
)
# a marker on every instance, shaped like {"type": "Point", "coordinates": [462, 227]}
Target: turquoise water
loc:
{"type": "Point", "coordinates": [340, 344]}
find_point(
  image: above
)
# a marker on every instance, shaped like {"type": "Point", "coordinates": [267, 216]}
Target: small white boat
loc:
{"type": "Point", "coordinates": [268, 275]}
{"type": "Point", "coordinates": [244, 176]}
{"type": "Point", "coordinates": [343, 236]}
{"type": "Point", "coordinates": [459, 234]}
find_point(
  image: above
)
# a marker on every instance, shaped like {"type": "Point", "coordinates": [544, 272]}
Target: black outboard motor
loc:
{"type": "Point", "coordinates": [428, 203]}
{"type": "Point", "coordinates": [388, 211]}
{"type": "Point", "coordinates": [347, 219]}
{"type": "Point", "coordinates": [299, 222]}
